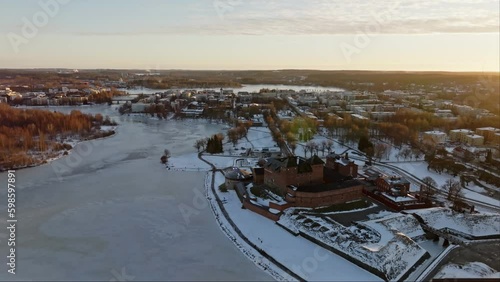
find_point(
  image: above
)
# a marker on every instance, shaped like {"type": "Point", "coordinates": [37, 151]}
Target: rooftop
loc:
{"type": "Point", "coordinates": [488, 128]}
{"type": "Point", "coordinates": [461, 130]}
{"type": "Point", "coordinates": [234, 173]}
{"type": "Point", "coordinates": [341, 159]}
{"type": "Point", "coordinates": [396, 180]}
{"type": "Point", "coordinates": [435, 132]}
{"type": "Point", "coordinates": [475, 136]}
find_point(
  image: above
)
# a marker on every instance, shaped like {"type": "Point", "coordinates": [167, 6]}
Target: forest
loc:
{"type": "Point", "coordinates": [28, 136]}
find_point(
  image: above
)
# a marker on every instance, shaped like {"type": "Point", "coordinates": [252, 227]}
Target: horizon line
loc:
{"type": "Point", "coordinates": [243, 70]}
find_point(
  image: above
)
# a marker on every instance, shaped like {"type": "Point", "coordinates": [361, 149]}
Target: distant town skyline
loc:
{"type": "Point", "coordinates": [407, 35]}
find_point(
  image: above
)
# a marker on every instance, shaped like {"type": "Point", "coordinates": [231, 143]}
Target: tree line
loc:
{"type": "Point", "coordinates": [25, 133]}
{"type": "Point", "coordinates": [212, 145]}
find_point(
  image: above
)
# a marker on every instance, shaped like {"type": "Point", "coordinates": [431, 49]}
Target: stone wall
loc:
{"type": "Point", "coordinates": [261, 211]}
{"type": "Point", "coordinates": [329, 198]}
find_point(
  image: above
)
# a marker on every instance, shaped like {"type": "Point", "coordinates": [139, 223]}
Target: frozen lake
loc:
{"type": "Point", "coordinates": [110, 211]}
{"type": "Point", "coordinates": [246, 87]}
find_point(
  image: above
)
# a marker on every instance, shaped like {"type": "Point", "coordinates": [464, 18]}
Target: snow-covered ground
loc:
{"type": "Point", "coordinates": [187, 162]}
{"type": "Point", "coordinates": [220, 161]}
{"type": "Point", "coordinates": [472, 270]}
{"type": "Point", "coordinates": [252, 254]}
{"type": "Point", "coordinates": [483, 224]}
{"type": "Point", "coordinates": [303, 257]}
{"type": "Point", "coordinates": [397, 222]}
{"type": "Point", "coordinates": [379, 243]}
{"type": "Point", "coordinates": [260, 137]}
{"type": "Point", "coordinates": [419, 169]}
{"type": "Point", "coordinates": [318, 139]}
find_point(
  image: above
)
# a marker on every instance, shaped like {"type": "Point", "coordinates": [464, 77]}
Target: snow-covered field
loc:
{"type": "Point", "coordinates": [483, 224]}
{"type": "Point", "coordinates": [419, 169]}
{"type": "Point", "coordinates": [303, 257]}
{"type": "Point", "coordinates": [379, 243]}
{"type": "Point", "coordinates": [260, 137]}
{"type": "Point", "coordinates": [187, 162]}
{"type": "Point", "coordinates": [472, 270]}
{"type": "Point", "coordinates": [318, 139]}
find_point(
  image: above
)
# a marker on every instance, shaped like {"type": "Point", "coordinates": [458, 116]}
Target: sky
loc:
{"type": "Point", "coordinates": [412, 35]}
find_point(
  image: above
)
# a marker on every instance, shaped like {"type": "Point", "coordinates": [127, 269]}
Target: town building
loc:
{"type": "Point", "coordinates": [489, 133]}
{"type": "Point", "coordinates": [394, 186]}
{"type": "Point", "coordinates": [311, 183]}
{"type": "Point", "coordinates": [458, 135]}
{"type": "Point", "coordinates": [474, 140]}
{"type": "Point", "coordinates": [234, 175]}
{"type": "Point", "coordinates": [496, 139]}
{"type": "Point", "coordinates": [296, 171]}
{"type": "Point", "coordinates": [342, 164]}
{"type": "Point", "coordinates": [433, 137]}
{"type": "Point", "coordinates": [258, 175]}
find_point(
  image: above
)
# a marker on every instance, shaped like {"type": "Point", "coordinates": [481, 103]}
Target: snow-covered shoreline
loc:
{"type": "Point", "coordinates": [250, 252]}
{"type": "Point", "coordinates": [61, 154]}
{"type": "Point", "coordinates": [306, 260]}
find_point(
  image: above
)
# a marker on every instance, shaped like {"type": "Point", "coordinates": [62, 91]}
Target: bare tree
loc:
{"type": "Point", "coordinates": [379, 150]}
{"type": "Point", "coordinates": [232, 135]}
{"type": "Point", "coordinates": [323, 146]}
{"type": "Point", "coordinates": [166, 153]}
{"type": "Point", "coordinates": [204, 143]}
{"type": "Point", "coordinates": [416, 154]}
{"type": "Point", "coordinates": [165, 157]}
{"type": "Point", "coordinates": [427, 189]}
{"type": "Point", "coordinates": [310, 147]}
{"type": "Point", "coordinates": [293, 147]}
{"type": "Point", "coordinates": [241, 131]}
{"type": "Point", "coordinates": [429, 182]}
{"type": "Point", "coordinates": [329, 145]}
{"type": "Point", "coordinates": [388, 152]}
{"type": "Point", "coordinates": [315, 148]}
{"type": "Point", "coordinates": [453, 188]}
{"type": "Point", "coordinates": [199, 144]}
{"type": "Point", "coordinates": [406, 153]}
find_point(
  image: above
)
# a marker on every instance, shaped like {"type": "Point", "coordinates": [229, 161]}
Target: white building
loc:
{"type": "Point", "coordinates": [434, 137]}
{"type": "Point", "coordinates": [474, 140]}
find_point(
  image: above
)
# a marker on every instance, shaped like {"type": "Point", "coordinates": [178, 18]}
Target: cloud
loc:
{"type": "Point", "coordinates": [308, 17]}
